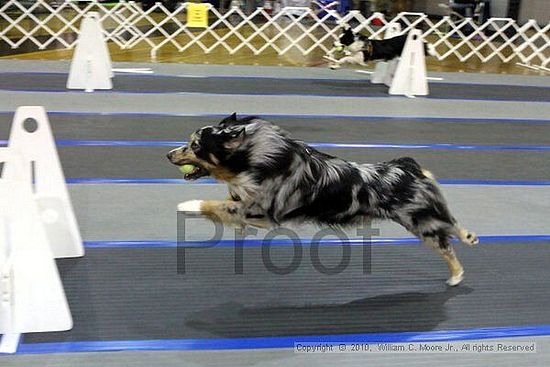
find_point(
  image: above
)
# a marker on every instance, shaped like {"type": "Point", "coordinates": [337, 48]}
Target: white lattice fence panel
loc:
{"type": "Point", "coordinates": [293, 29]}
{"type": "Point", "coordinates": [42, 24]}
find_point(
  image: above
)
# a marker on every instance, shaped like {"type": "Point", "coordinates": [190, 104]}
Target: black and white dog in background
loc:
{"type": "Point", "coordinates": [274, 179]}
{"type": "Point", "coordinates": [359, 49]}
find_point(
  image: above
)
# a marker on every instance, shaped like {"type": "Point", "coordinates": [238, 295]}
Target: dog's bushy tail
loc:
{"type": "Point", "coordinates": [429, 49]}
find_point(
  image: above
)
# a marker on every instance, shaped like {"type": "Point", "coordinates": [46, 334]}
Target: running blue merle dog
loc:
{"type": "Point", "coordinates": [275, 180]}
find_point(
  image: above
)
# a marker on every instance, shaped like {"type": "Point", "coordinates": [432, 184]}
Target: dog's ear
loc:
{"type": "Point", "coordinates": [234, 138]}
{"type": "Point", "coordinates": [229, 120]}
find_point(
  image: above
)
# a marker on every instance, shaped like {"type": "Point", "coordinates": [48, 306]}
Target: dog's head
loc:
{"type": "Point", "coordinates": [346, 38]}
{"type": "Point", "coordinates": [209, 149]}
{"type": "Point", "coordinates": [349, 41]}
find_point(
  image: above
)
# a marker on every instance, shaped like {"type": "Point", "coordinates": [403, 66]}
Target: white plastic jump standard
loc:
{"type": "Point", "coordinates": [91, 67]}
{"type": "Point", "coordinates": [50, 190]}
{"type": "Point", "coordinates": [32, 298]}
{"type": "Point", "coordinates": [410, 77]}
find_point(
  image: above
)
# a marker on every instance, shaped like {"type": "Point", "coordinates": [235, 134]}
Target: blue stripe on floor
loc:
{"type": "Point", "coordinates": [304, 117]}
{"type": "Point", "coordinates": [142, 181]}
{"type": "Point", "coordinates": [283, 341]}
{"type": "Point", "coordinates": [159, 143]}
{"type": "Point", "coordinates": [301, 241]}
{"type": "Point", "coordinates": [137, 181]}
{"type": "Point", "coordinates": [494, 182]}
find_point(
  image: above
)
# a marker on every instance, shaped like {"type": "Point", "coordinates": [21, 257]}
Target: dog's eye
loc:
{"type": "Point", "coordinates": [194, 145]}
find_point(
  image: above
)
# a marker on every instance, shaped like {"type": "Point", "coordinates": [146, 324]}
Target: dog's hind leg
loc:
{"type": "Point", "coordinates": [438, 240]}
{"type": "Point", "coordinates": [467, 237]}
{"type": "Point", "coordinates": [440, 243]}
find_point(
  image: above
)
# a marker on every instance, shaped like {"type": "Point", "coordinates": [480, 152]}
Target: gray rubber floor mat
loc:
{"type": "Point", "coordinates": [130, 294]}
{"type": "Point", "coordinates": [271, 86]}
{"type": "Point", "coordinates": [151, 162]}
{"type": "Point", "coordinates": [323, 129]}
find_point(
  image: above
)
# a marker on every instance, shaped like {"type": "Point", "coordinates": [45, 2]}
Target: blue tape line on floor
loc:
{"type": "Point", "coordinates": [283, 341]}
{"type": "Point", "coordinates": [494, 182]}
{"type": "Point", "coordinates": [141, 181]}
{"type": "Point", "coordinates": [161, 143]}
{"type": "Point", "coordinates": [304, 116]}
{"type": "Point", "coordinates": [299, 241]}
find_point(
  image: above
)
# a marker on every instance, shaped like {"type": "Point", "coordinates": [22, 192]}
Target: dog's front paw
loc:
{"type": "Point", "coordinates": [334, 66]}
{"type": "Point", "coordinates": [190, 206]}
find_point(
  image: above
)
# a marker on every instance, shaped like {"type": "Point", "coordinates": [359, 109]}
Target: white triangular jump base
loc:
{"type": "Point", "coordinates": [91, 67]}
{"type": "Point", "coordinates": [410, 77]}
{"type": "Point", "coordinates": [32, 298]}
{"type": "Point", "coordinates": [36, 145]}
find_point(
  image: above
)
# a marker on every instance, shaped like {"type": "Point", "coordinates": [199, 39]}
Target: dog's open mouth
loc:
{"type": "Point", "coordinates": [196, 173]}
